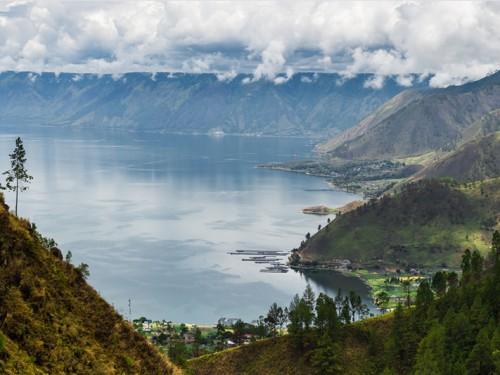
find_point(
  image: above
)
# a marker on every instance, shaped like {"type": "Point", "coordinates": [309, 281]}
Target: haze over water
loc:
{"type": "Point", "coordinates": [155, 215]}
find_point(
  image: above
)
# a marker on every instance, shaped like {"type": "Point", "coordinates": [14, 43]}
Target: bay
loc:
{"type": "Point", "coordinates": [154, 216]}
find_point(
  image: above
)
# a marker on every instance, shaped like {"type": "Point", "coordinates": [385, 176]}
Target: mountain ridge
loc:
{"type": "Point", "coordinates": [418, 121]}
{"type": "Point", "coordinates": [306, 105]}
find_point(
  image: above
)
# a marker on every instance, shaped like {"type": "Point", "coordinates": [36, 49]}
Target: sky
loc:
{"type": "Point", "coordinates": [451, 42]}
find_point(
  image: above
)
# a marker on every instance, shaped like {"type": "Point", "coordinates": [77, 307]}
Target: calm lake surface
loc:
{"type": "Point", "coordinates": [155, 215]}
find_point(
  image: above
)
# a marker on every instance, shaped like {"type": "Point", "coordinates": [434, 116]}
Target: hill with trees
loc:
{"type": "Point", "coordinates": [52, 321]}
{"type": "Point", "coordinates": [451, 327]}
{"type": "Point", "coordinates": [420, 121]}
{"type": "Point", "coordinates": [425, 224]}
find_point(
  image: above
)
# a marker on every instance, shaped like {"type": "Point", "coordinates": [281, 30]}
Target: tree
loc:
{"type": "Point", "coordinates": [325, 357]}
{"type": "Point", "coordinates": [220, 336]}
{"type": "Point", "coordinates": [198, 340]}
{"type": "Point", "coordinates": [309, 297]}
{"type": "Point", "coordinates": [439, 283]}
{"type": "Point", "coordinates": [308, 236]}
{"type": "Point", "coordinates": [424, 295]}
{"type": "Point", "coordinates": [83, 270]}
{"type": "Point", "coordinates": [177, 352]}
{"type": "Point", "coordinates": [282, 317]}
{"type": "Point", "coordinates": [238, 331]}
{"type": "Point", "coordinates": [273, 317]}
{"type": "Point", "coordinates": [183, 329]}
{"type": "Point", "coordinates": [431, 355]}
{"type": "Point", "coordinates": [407, 288]}
{"type": "Point", "coordinates": [17, 175]}
{"type": "Point", "coordinates": [466, 266]}
{"type": "Point", "coordinates": [495, 247]}
{"type": "Point", "coordinates": [452, 280]}
{"type": "Point", "coordinates": [476, 264]}
{"type": "Point", "coordinates": [382, 300]}
{"type": "Point", "coordinates": [345, 312]}
{"type": "Point", "coordinates": [326, 315]}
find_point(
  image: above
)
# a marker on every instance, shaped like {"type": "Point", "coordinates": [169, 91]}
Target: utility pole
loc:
{"type": "Point", "coordinates": [130, 309]}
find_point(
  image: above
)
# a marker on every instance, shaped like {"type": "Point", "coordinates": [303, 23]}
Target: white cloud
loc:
{"type": "Point", "coordinates": [226, 76]}
{"type": "Point", "coordinates": [375, 82]}
{"type": "Point", "coordinates": [453, 41]}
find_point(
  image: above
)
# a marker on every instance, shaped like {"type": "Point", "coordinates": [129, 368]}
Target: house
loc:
{"type": "Point", "coordinates": [227, 322]}
{"type": "Point", "coordinates": [147, 325]}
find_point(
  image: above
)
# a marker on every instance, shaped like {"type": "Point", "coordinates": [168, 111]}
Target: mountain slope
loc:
{"type": "Point", "coordinates": [278, 355]}
{"type": "Point", "coordinates": [307, 104]}
{"type": "Point", "coordinates": [418, 121]}
{"type": "Point", "coordinates": [475, 160]}
{"type": "Point", "coordinates": [427, 223]}
{"type": "Point", "coordinates": [53, 322]}
{"type": "Point", "coordinates": [452, 328]}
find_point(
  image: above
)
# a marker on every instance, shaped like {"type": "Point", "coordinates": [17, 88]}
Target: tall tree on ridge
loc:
{"type": "Point", "coordinates": [17, 175]}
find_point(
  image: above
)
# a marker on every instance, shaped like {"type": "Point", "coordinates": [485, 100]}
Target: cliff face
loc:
{"type": "Point", "coordinates": [53, 322]}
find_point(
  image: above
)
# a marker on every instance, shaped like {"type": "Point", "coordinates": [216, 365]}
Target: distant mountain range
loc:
{"type": "Point", "coordinates": [419, 121]}
{"type": "Point", "coordinates": [307, 104]}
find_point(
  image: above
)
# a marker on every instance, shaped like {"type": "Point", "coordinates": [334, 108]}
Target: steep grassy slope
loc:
{"type": "Point", "coordinates": [427, 223]}
{"type": "Point", "coordinates": [278, 356]}
{"type": "Point", "coordinates": [475, 160]}
{"type": "Point", "coordinates": [53, 322]}
{"type": "Point", "coordinates": [417, 122]}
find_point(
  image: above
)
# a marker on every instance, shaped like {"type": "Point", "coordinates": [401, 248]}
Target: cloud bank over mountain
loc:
{"type": "Point", "coordinates": [451, 41]}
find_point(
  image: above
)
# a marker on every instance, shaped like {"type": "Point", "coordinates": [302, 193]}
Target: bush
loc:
{"type": "Point", "coordinates": [2, 343]}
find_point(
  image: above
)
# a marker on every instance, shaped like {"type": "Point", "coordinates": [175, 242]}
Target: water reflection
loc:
{"type": "Point", "coordinates": [155, 215]}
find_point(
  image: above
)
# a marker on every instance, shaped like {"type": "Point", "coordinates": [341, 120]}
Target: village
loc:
{"type": "Point", "coordinates": [182, 341]}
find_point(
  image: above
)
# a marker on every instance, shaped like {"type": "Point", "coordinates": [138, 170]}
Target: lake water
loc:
{"type": "Point", "coordinates": [155, 215]}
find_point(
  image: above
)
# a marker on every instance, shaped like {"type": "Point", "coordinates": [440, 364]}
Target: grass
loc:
{"type": "Point", "coordinates": [425, 226]}
{"type": "Point", "coordinates": [277, 356]}
{"type": "Point", "coordinates": [53, 322]}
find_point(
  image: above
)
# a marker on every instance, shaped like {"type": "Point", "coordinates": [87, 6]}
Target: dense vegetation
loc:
{"type": "Point", "coordinates": [451, 328]}
{"type": "Point", "coordinates": [426, 224]}
{"type": "Point", "coordinates": [52, 321]}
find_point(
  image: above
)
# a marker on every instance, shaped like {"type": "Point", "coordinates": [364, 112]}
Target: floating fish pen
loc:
{"type": "Point", "coordinates": [259, 252]}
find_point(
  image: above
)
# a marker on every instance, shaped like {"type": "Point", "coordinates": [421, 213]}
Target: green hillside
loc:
{"type": "Point", "coordinates": [427, 223]}
{"type": "Point", "coordinates": [279, 356]}
{"type": "Point", "coordinates": [52, 321]}
{"type": "Point", "coordinates": [450, 328]}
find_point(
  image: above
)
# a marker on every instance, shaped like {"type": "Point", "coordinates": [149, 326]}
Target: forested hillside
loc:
{"type": "Point", "coordinates": [450, 328]}
{"type": "Point", "coordinates": [52, 321]}
{"type": "Point", "coordinates": [426, 224]}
